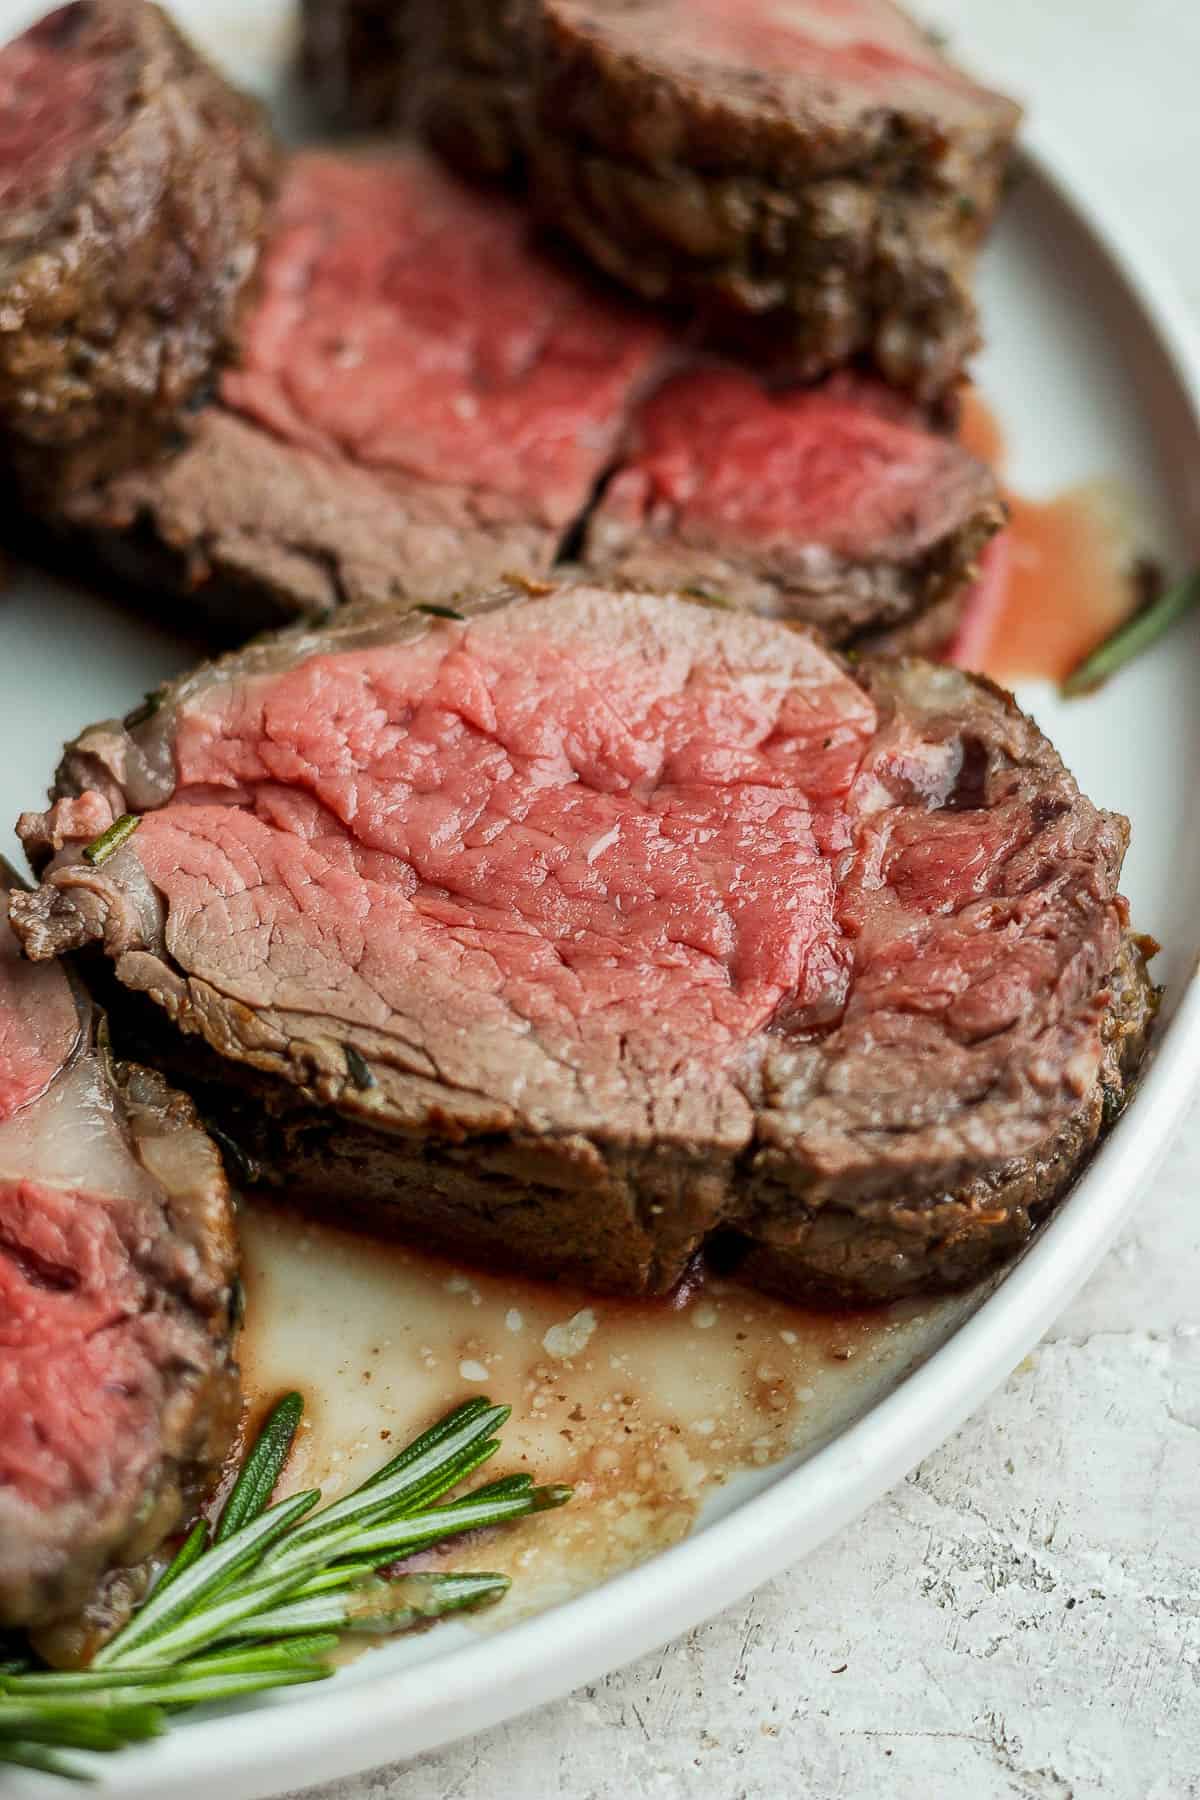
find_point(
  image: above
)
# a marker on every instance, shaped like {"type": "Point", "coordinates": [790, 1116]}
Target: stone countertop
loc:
{"type": "Point", "coordinates": [1021, 1616]}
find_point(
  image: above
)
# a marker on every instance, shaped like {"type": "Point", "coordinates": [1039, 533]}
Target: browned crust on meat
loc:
{"type": "Point", "coordinates": [250, 532]}
{"type": "Point", "coordinates": [117, 311]}
{"type": "Point", "coordinates": [892, 605]}
{"type": "Point", "coordinates": [883, 1251]}
{"type": "Point", "coordinates": [824, 227]}
{"type": "Point", "coordinates": [460, 69]}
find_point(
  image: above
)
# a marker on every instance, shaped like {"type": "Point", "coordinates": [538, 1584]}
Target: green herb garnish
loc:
{"type": "Point", "coordinates": [150, 705]}
{"type": "Point", "coordinates": [696, 590]}
{"type": "Point", "coordinates": [262, 1468]}
{"type": "Point", "coordinates": [259, 1601]}
{"type": "Point", "coordinates": [438, 612]}
{"type": "Point", "coordinates": [101, 848]}
{"type": "Point", "coordinates": [241, 1164]}
{"type": "Point", "coordinates": [359, 1067]}
{"type": "Point", "coordinates": [1137, 634]}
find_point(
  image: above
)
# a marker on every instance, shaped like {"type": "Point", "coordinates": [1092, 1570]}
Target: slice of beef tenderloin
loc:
{"type": "Point", "coordinates": [578, 930]}
{"type": "Point", "coordinates": [822, 169]}
{"type": "Point", "coordinates": [820, 175]}
{"type": "Point", "coordinates": [133, 188]}
{"type": "Point", "coordinates": [118, 1391]}
{"type": "Point", "coordinates": [423, 403]}
{"type": "Point", "coordinates": [821, 505]}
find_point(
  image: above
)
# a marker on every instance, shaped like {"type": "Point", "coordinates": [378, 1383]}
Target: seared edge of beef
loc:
{"type": "Point", "coordinates": [852, 230]}
{"type": "Point", "coordinates": [627, 1222]}
{"type": "Point", "coordinates": [460, 69]}
{"type": "Point", "coordinates": [250, 533]}
{"type": "Point", "coordinates": [886, 1249]}
{"type": "Point", "coordinates": [898, 606]}
{"type": "Point", "coordinates": [122, 301]}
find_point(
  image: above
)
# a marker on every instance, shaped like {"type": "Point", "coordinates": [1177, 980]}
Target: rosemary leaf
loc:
{"type": "Point", "coordinates": [245, 1660]}
{"type": "Point", "coordinates": [711, 597]}
{"type": "Point", "coordinates": [203, 1580]}
{"type": "Point", "coordinates": [242, 1167]}
{"type": "Point", "coordinates": [392, 1538]}
{"type": "Point", "coordinates": [262, 1467]}
{"type": "Point", "coordinates": [193, 1546]}
{"type": "Point", "coordinates": [149, 706]}
{"type": "Point", "coordinates": [1131, 639]}
{"type": "Point", "coordinates": [24, 1755]}
{"type": "Point", "coordinates": [382, 1605]}
{"type": "Point", "coordinates": [249, 1657]}
{"type": "Point", "coordinates": [183, 1688]}
{"type": "Point", "coordinates": [438, 612]}
{"type": "Point", "coordinates": [110, 841]}
{"type": "Point", "coordinates": [205, 1624]}
{"type": "Point", "coordinates": [504, 1489]}
{"type": "Point", "coordinates": [72, 1725]}
{"type": "Point", "coordinates": [428, 1440]}
{"type": "Point", "coordinates": [414, 1483]}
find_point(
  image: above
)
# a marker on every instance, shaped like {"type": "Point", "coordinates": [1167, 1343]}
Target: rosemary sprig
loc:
{"type": "Point", "coordinates": [1137, 634]}
{"type": "Point", "coordinates": [260, 1601]}
{"type": "Point", "coordinates": [101, 848]}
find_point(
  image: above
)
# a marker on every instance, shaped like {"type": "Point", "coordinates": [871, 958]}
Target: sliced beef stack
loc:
{"type": "Point", "coordinates": [423, 401]}
{"type": "Point", "coordinates": [417, 398]}
{"type": "Point", "coordinates": [133, 184]}
{"type": "Point", "coordinates": [598, 923]}
{"type": "Point", "coordinates": [118, 1393]}
{"type": "Point", "coordinates": [820, 166]}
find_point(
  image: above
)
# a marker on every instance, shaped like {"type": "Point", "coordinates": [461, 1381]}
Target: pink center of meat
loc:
{"type": "Point", "coordinates": [55, 100]}
{"type": "Point", "coordinates": [580, 831]}
{"type": "Point", "coordinates": [736, 464]}
{"type": "Point", "coordinates": [407, 324]}
{"type": "Point", "coordinates": [78, 1392]}
{"type": "Point", "coordinates": [39, 1025]}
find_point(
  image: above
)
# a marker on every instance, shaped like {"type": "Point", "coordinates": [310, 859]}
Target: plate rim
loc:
{"type": "Point", "coordinates": [351, 1728]}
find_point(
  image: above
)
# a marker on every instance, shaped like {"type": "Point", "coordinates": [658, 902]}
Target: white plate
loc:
{"type": "Point", "coordinates": [1095, 371]}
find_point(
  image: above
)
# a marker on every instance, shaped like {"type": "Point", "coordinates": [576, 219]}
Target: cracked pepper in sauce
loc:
{"type": "Point", "coordinates": [646, 1408]}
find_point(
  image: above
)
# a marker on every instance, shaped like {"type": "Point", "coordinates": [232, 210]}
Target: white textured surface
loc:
{"type": "Point", "coordinates": [1021, 1617]}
